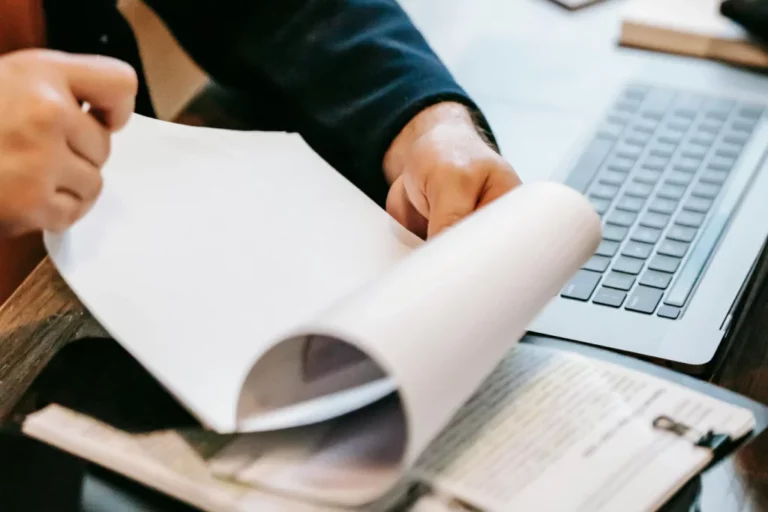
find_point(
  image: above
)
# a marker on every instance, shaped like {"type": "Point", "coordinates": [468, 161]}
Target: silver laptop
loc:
{"type": "Point", "coordinates": [672, 155]}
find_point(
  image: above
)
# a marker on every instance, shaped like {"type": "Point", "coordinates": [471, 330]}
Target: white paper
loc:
{"type": "Point", "coordinates": [165, 461]}
{"type": "Point", "coordinates": [207, 246]}
{"type": "Point", "coordinates": [439, 321]}
{"type": "Point", "coordinates": [548, 420]}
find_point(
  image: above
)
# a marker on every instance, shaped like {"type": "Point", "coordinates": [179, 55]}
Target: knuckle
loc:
{"type": "Point", "coordinates": [96, 186]}
{"type": "Point", "coordinates": [74, 215]}
{"type": "Point", "coordinates": [130, 80]}
{"type": "Point", "coordinates": [106, 148]}
{"type": "Point", "coordinates": [48, 110]}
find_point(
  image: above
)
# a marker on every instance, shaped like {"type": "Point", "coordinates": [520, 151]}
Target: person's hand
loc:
{"type": "Point", "coordinates": [51, 149]}
{"type": "Point", "coordinates": [442, 169]}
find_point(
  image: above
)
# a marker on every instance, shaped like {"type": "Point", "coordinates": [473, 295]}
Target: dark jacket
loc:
{"type": "Point", "coordinates": [346, 74]}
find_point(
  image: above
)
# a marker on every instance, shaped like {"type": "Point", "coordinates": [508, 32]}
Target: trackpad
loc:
{"type": "Point", "coordinates": [535, 139]}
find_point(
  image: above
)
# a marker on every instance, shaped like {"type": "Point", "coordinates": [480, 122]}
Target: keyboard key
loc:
{"type": "Point", "coordinates": [657, 101]}
{"type": "Point", "coordinates": [712, 176]}
{"type": "Point", "coordinates": [689, 219]}
{"type": "Point", "coordinates": [656, 115]}
{"type": "Point", "coordinates": [639, 139]}
{"type": "Point", "coordinates": [694, 151]}
{"type": "Point", "coordinates": [742, 125]}
{"type": "Point", "coordinates": [645, 235]}
{"type": "Point", "coordinates": [717, 115]}
{"type": "Point", "coordinates": [646, 176]}
{"type": "Point", "coordinates": [581, 286]}
{"type": "Point", "coordinates": [686, 106]}
{"type": "Point", "coordinates": [673, 248]}
{"type": "Point", "coordinates": [712, 127]}
{"type": "Point", "coordinates": [737, 138]}
{"type": "Point", "coordinates": [588, 164]}
{"type": "Point", "coordinates": [669, 137]}
{"type": "Point", "coordinates": [679, 125]}
{"type": "Point", "coordinates": [620, 218]}
{"type": "Point", "coordinates": [698, 204]}
{"type": "Point", "coordinates": [636, 92]}
{"type": "Point", "coordinates": [668, 191]}
{"type": "Point", "coordinates": [619, 281]}
{"type": "Point", "coordinates": [655, 163]}
{"type": "Point", "coordinates": [705, 190]}
{"type": "Point", "coordinates": [640, 190]}
{"type": "Point", "coordinates": [645, 126]}
{"type": "Point", "coordinates": [728, 151]}
{"type": "Point", "coordinates": [614, 233]}
{"type": "Point", "coordinates": [618, 118]}
{"type": "Point", "coordinates": [720, 163]}
{"type": "Point", "coordinates": [644, 300]}
{"type": "Point", "coordinates": [609, 297]}
{"type": "Point", "coordinates": [723, 104]}
{"type": "Point", "coordinates": [750, 111]}
{"type": "Point", "coordinates": [635, 142]}
{"type": "Point", "coordinates": [597, 264]}
{"type": "Point", "coordinates": [638, 250]}
{"type": "Point", "coordinates": [688, 101]}
{"type": "Point", "coordinates": [679, 178]}
{"type": "Point", "coordinates": [688, 165]}
{"type": "Point", "coordinates": [607, 248]}
{"type": "Point", "coordinates": [681, 233]}
{"type": "Point", "coordinates": [664, 263]}
{"type": "Point", "coordinates": [656, 279]}
{"type": "Point", "coordinates": [628, 151]}
{"type": "Point", "coordinates": [620, 164]}
{"type": "Point", "coordinates": [629, 107]}
{"type": "Point", "coordinates": [714, 104]}
{"type": "Point", "coordinates": [654, 220]}
{"type": "Point", "coordinates": [666, 206]}
{"type": "Point", "coordinates": [628, 265]}
{"type": "Point", "coordinates": [703, 139]}
{"type": "Point", "coordinates": [663, 150]}
{"type": "Point", "coordinates": [605, 191]}
{"type": "Point", "coordinates": [630, 204]}
{"type": "Point", "coordinates": [669, 312]}
{"type": "Point", "coordinates": [612, 178]}
{"type": "Point", "coordinates": [601, 205]}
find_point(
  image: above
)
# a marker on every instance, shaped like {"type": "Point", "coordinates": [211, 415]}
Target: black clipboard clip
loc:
{"type": "Point", "coordinates": [719, 444]}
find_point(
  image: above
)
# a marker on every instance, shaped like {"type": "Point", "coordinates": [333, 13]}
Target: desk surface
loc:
{"type": "Point", "coordinates": [43, 315]}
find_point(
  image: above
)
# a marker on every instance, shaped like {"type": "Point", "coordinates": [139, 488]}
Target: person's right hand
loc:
{"type": "Point", "coordinates": [51, 149]}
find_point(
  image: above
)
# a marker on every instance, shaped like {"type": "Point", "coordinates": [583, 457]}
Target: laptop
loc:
{"type": "Point", "coordinates": [671, 153]}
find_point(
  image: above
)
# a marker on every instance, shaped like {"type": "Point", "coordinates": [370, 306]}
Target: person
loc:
{"type": "Point", "coordinates": [354, 77]}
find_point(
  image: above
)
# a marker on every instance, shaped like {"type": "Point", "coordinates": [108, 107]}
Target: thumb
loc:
{"type": "Point", "coordinates": [107, 84]}
{"type": "Point", "coordinates": [401, 208]}
{"type": "Point", "coordinates": [449, 202]}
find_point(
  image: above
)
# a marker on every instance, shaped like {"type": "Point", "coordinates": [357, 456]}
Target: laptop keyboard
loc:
{"type": "Point", "coordinates": [656, 171]}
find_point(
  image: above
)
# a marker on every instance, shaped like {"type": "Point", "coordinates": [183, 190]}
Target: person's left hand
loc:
{"type": "Point", "coordinates": [442, 169]}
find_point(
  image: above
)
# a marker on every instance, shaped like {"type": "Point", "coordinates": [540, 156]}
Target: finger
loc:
{"type": "Point", "coordinates": [80, 179]}
{"type": "Point", "coordinates": [498, 183]}
{"type": "Point", "coordinates": [451, 199]}
{"type": "Point", "coordinates": [63, 210]}
{"type": "Point", "coordinates": [400, 207]}
{"type": "Point", "coordinates": [108, 85]}
{"type": "Point", "coordinates": [88, 139]}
